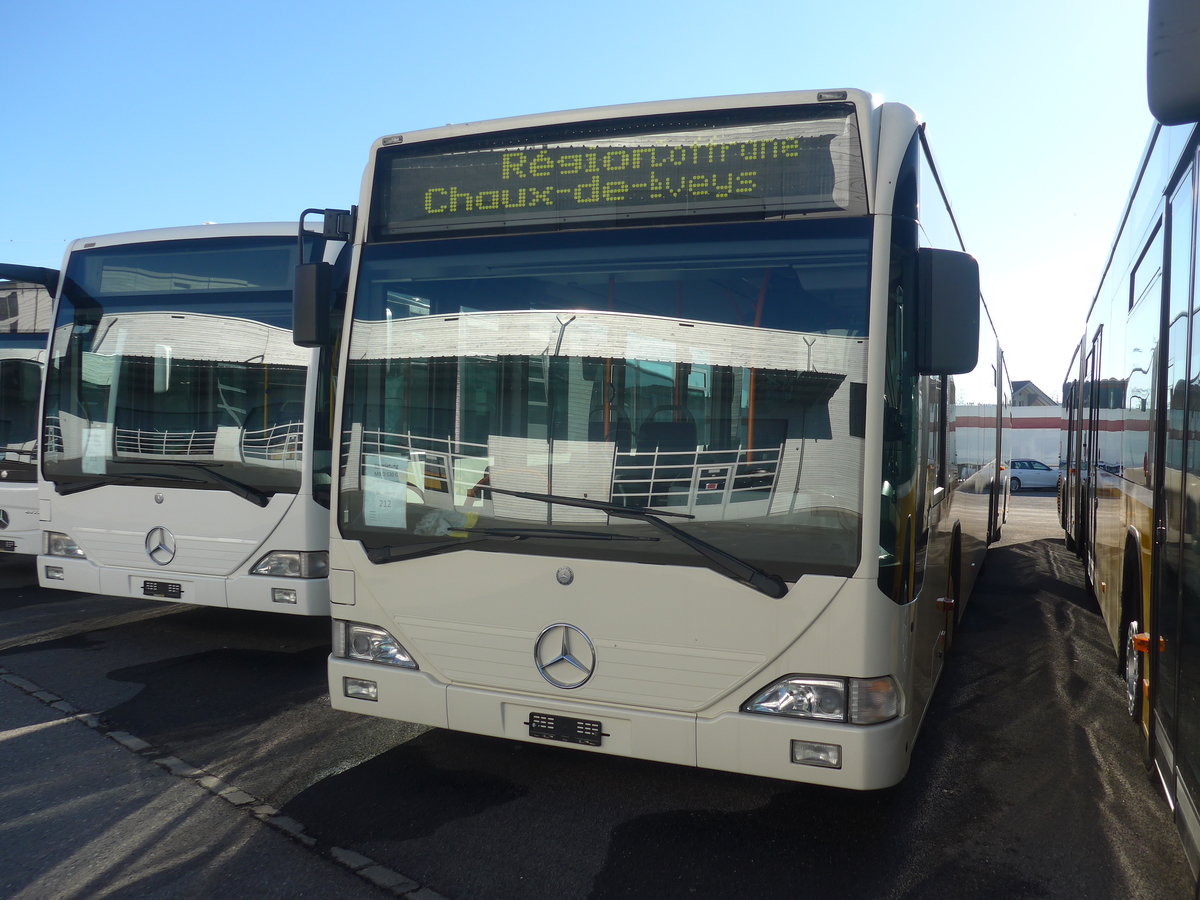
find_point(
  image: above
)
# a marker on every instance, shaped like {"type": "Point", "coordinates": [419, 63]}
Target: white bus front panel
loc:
{"type": "Point", "coordinates": [20, 531]}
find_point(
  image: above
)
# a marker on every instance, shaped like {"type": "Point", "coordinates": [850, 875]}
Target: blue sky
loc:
{"type": "Point", "coordinates": [131, 114]}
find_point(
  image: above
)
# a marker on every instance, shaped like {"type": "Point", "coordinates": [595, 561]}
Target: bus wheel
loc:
{"type": "Point", "coordinates": [1133, 672]}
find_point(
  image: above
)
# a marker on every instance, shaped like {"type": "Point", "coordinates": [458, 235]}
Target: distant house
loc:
{"type": "Point", "coordinates": [1026, 393]}
{"type": "Point", "coordinates": [1037, 423]}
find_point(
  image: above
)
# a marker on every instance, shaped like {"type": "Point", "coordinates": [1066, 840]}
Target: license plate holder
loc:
{"type": "Point", "coordinates": [10, 546]}
{"type": "Point", "coordinates": [166, 590]}
{"type": "Point", "coordinates": [564, 728]}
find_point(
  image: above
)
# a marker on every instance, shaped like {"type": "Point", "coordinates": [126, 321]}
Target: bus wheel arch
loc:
{"type": "Point", "coordinates": [1060, 504]}
{"type": "Point", "coordinates": [1131, 661]}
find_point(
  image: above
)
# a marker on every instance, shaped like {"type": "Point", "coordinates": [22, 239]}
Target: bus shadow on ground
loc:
{"type": "Point", "coordinates": [1026, 781]}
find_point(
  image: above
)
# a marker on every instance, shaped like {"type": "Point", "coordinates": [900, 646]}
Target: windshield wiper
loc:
{"type": "Point", "coordinates": [74, 487]}
{"type": "Point", "coordinates": [520, 533]}
{"type": "Point", "coordinates": [725, 563]}
{"type": "Point", "coordinates": [243, 490]}
{"type": "Point", "coordinates": [412, 551]}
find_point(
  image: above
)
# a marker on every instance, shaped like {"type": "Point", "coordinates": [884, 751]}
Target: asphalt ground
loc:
{"type": "Point", "coordinates": [150, 750]}
{"type": "Point", "coordinates": [88, 810]}
{"type": "Point", "coordinates": [1030, 723]}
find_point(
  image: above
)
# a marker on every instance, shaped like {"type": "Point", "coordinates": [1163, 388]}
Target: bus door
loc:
{"type": "Point", "coordinates": [1072, 407]}
{"type": "Point", "coordinates": [1000, 489]}
{"type": "Point", "coordinates": [1175, 607]}
{"type": "Point", "coordinates": [1090, 458]}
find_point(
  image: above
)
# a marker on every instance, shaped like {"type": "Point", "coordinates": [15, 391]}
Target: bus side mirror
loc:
{"type": "Point", "coordinates": [1173, 61]}
{"type": "Point", "coordinates": [312, 300]}
{"type": "Point", "coordinates": [948, 312]}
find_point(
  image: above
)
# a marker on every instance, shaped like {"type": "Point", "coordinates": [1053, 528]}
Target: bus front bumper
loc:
{"type": "Point", "coordinates": [869, 757]}
{"type": "Point", "coordinates": [263, 593]}
{"type": "Point", "coordinates": [23, 542]}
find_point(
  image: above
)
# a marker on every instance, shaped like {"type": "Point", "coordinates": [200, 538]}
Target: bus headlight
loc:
{"type": "Point", "coordinates": [57, 544]}
{"type": "Point", "coordinates": [803, 697]}
{"type": "Point", "coordinates": [293, 564]}
{"type": "Point", "coordinates": [366, 643]}
{"type": "Point", "coordinates": [859, 701]}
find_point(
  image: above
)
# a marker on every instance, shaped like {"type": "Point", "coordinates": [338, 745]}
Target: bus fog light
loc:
{"type": "Point", "coordinates": [283, 595]}
{"type": "Point", "coordinates": [873, 700]}
{"type": "Point", "coordinates": [54, 573]}
{"type": "Point", "coordinates": [810, 753]}
{"type": "Point", "coordinates": [802, 697]}
{"type": "Point", "coordinates": [360, 688]}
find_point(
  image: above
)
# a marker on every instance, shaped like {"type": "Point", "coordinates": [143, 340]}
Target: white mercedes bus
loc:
{"type": "Point", "coordinates": [24, 323]}
{"type": "Point", "coordinates": [186, 437]}
{"type": "Point", "coordinates": [649, 436]}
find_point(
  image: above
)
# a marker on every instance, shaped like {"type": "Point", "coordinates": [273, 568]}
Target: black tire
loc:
{"type": "Point", "coordinates": [1014, 484]}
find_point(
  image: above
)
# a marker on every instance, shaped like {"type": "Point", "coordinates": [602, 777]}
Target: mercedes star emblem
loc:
{"type": "Point", "coordinates": [564, 656]}
{"type": "Point", "coordinates": [160, 545]}
{"type": "Point", "coordinates": [3, 519]}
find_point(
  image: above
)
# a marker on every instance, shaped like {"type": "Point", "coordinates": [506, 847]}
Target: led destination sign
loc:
{"type": "Point", "coordinates": [744, 169]}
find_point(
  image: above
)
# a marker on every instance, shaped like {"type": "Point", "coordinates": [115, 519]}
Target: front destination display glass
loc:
{"type": "Point", "coordinates": [765, 163]}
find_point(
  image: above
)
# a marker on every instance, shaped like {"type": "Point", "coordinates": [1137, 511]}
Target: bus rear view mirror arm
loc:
{"type": "Point", "coordinates": [948, 312]}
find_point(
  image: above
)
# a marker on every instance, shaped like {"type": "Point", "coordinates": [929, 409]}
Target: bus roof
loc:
{"type": "Point", "coordinates": [185, 232]}
{"type": "Point", "coordinates": [864, 101]}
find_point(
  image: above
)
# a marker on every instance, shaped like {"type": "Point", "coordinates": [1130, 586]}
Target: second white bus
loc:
{"type": "Point", "coordinates": [186, 437]}
{"type": "Point", "coordinates": [24, 321]}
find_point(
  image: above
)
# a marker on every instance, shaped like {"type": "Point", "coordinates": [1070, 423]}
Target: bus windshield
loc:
{"type": "Point", "coordinates": [20, 384]}
{"type": "Point", "coordinates": [713, 372]}
{"type": "Point", "coordinates": [173, 361]}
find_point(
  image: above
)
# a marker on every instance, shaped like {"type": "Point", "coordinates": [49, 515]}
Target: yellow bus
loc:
{"type": "Point", "coordinates": [1130, 498]}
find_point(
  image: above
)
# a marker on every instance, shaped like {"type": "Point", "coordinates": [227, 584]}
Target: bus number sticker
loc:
{"type": "Point", "coordinates": [385, 490]}
{"type": "Point", "coordinates": [95, 449]}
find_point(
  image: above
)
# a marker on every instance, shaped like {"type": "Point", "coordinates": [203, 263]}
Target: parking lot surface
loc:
{"type": "Point", "coordinates": [161, 751]}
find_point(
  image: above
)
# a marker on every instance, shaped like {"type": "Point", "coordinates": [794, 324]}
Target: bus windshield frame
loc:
{"type": "Point", "coordinates": [20, 390]}
{"type": "Point", "coordinates": [173, 357]}
{"type": "Point", "coordinates": [487, 363]}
